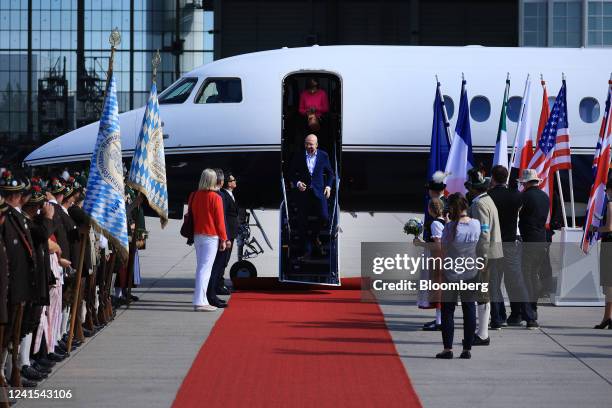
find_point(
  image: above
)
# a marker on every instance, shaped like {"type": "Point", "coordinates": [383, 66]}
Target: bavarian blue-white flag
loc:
{"type": "Point", "coordinates": [148, 169]}
{"type": "Point", "coordinates": [105, 197]}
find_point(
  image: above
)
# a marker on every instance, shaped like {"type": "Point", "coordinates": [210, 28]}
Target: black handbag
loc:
{"type": "Point", "coordinates": [187, 227]}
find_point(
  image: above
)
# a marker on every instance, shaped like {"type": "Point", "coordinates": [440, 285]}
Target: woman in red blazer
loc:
{"type": "Point", "coordinates": [209, 234]}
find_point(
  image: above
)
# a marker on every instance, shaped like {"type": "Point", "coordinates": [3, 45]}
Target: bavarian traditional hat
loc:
{"type": "Point", "coordinates": [10, 184]}
{"type": "Point", "coordinates": [437, 181]}
{"type": "Point", "coordinates": [57, 186]}
{"type": "Point", "coordinates": [38, 195]}
{"type": "Point", "coordinates": [69, 192]}
{"type": "Point", "coordinates": [476, 180]}
{"type": "Point", "coordinates": [529, 175]}
{"type": "Point", "coordinates": [37, 198]}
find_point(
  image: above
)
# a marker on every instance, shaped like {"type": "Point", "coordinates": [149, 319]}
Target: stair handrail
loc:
{"type": "Point", "coordinates": [284, 187]}
{"type": "Point", "coordinates": [331, 224]}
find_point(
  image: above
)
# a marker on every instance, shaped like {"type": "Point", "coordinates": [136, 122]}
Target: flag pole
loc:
{"type": "Point", "coordinates": [571, 178]}
{"type": "Point", "coordinates": [516, 131]}
{"type": "Point", "coordinates": [558, 177]}
{"type": "Point", "coordinates": [77, 289]}
{"type": "Point", "coordinates": [155, 61]}
{"type": "Point", "coordinates": [446, 122]}
{"type": "Point", "coordinates": [114, 39]}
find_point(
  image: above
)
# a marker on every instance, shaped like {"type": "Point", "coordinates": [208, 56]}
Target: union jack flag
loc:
{"type": "Point", "coordinates": [553, 151]}
{"type": "Point", "coordinates": [601, 166]}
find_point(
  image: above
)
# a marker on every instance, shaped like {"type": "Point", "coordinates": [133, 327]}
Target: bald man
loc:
{"type": "Point", "coordinates": [312, 175]}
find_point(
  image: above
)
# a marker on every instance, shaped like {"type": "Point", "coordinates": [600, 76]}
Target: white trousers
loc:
{"type": "Point", "coordinates": [206, 247]}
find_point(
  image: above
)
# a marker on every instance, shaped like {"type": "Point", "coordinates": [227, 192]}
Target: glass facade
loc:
{"type": "Point", "coordinates": [62, 47]}
{"type": "Point", "coordinates": [600, 23]}
{"type": "Point", "coordinates": [535, 24]}
{"type": "Point", "coordinates": [567, 17]}
{"type": "Point", "coordinates": [562, 23]}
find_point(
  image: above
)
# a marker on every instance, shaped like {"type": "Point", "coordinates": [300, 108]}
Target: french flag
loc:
{"type": "Point", "coordinates": [460, 158]}
{"type": "Point", "coordinates": [597, 197]}
{"type": "Point", "coordinates": [523, 142]}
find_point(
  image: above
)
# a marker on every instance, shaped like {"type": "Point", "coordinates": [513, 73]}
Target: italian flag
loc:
{"type": "Point", "coordinates": [500, 157]}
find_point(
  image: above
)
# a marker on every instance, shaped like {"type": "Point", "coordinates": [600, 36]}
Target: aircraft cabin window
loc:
{"type": "Point", "coordinates": [221, 90]}
{"type": "Point", "coordinates": [480, 108]}
{"type": "Point", "coordinates": [179, 92]}
{"type": "Point", "coordinates": [514, 108]}
{"type": "Point", "coordinates": [589, 109]}
{"type": "Point", "coordinates": [450, 106]}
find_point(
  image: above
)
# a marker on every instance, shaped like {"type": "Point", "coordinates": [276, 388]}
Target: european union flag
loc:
{"type": "Point", "coordinates": [440, 145]}
{"type": "Point", "coordinates": [148, 169]}
{"type": "Point", "coordinates": [105, 200]}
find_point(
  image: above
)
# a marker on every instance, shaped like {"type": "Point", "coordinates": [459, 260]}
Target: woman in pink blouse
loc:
{"type": "Point", "coordinates": [313, 104]}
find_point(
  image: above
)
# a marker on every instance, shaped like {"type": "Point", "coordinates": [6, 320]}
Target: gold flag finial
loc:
{"type": "Point", "coordinates": [155, 61]}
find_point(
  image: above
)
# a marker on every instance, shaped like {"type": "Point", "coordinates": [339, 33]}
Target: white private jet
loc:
{"type": "Point", "coordinates": [241, 113]}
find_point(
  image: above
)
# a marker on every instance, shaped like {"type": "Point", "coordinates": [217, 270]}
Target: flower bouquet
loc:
{"type": "Point", "coordinates": [414, 226]}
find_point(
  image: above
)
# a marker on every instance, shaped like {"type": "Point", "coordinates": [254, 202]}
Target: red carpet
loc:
{"type": "Point", "coordinates": [298, 349]}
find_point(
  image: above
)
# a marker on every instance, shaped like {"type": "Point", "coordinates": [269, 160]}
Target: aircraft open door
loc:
{"type": "Point", "coordinates": [308, 236]}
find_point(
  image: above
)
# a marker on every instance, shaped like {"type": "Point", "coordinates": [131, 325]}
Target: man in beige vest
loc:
{"type": "Point", "coordinates": [489, 246]}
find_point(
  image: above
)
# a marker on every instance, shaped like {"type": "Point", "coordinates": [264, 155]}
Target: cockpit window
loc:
{"type": "Point", "coordinates": [221, 90]}
{"type": "Point", "coordinates": [179, 92]}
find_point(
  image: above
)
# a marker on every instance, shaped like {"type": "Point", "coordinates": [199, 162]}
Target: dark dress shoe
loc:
{"type": "Point", "coordinates": [432, 326]}
{"type": "Point", "coordinates": [466, 355]}
{"type": "Point", "coordinates": [41, 369]}
{"type": "Point", "coordinates": [223, 291]}
{"type": "Point", "coordinates": [59, 351]}
{"type": "Point", "coordinates": [497, 326]}
{"type": "Point", "coordinates": [532, 325]}
{"type": "Point", "coordinates": [221, 305]}
{"type": "Point", "coordinates": [55, 357]}
{"type": "Point", "coordinates": [134, 298]}
{"type": "Point", "coordinates": [87, 332]}
{"type": "Point", "coordinates": [75, 342]}
{"type": "Point", "coordinates": [429, 323]}
{"type": "Point", "coordinates": [446, 355]}
{"type": "Point", "coordinates": [514, 321]}
{"type": "Point", "coordinates": [64, 346]}
{"type": "Point", "coordinates": [481, 342]}
{"type": "Point", "coordinates": [25, 383]}
{"type": "Point", "coordinates": [45, 362]}
{"type": "Point", "coordinates": [604, 324]}
{"type": "Point", "coordinates": [31, 373]}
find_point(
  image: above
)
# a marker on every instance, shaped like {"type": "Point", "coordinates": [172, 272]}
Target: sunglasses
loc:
{"type": "Point", "coordinates": [230, 180]}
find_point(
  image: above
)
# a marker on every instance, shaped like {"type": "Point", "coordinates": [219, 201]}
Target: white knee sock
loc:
{"type": "Point", "coordinates": [3, 358]}
{"type": "Point", "coordinates": [484, 312]}
{"type": "Point", "coordinates": [83, 313]}
{"type": "Point", "coordinates": [118, 292]}
{"type": "Point", "coordinates": [9, 365]}
{"type": "Point", "coordinates": [438, 316]}
{"type": "Point", "coordinates": [24, 350]}
{"type": "Point", "coordinates": [65, 320]}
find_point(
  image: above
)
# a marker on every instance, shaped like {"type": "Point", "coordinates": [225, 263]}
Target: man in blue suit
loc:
{"type": "Point", "coordinates": [311, 173]}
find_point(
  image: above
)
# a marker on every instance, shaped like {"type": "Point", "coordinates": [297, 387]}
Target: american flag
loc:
{"type": "Point", "coordinates": [601, 167]}
{"type": "Point", "coordinates": [553, 150]}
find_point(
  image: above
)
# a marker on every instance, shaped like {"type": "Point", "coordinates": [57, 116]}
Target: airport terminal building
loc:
{"type": "Point", "coordinates": [54, 53]}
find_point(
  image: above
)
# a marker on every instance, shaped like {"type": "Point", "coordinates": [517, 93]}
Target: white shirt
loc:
{"type": "Point", "coordinates": [230, 193]}
{"type": "Point", "coordinates": [436, 229]}
{"type": "Point", "coordinates": [311, 161]}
